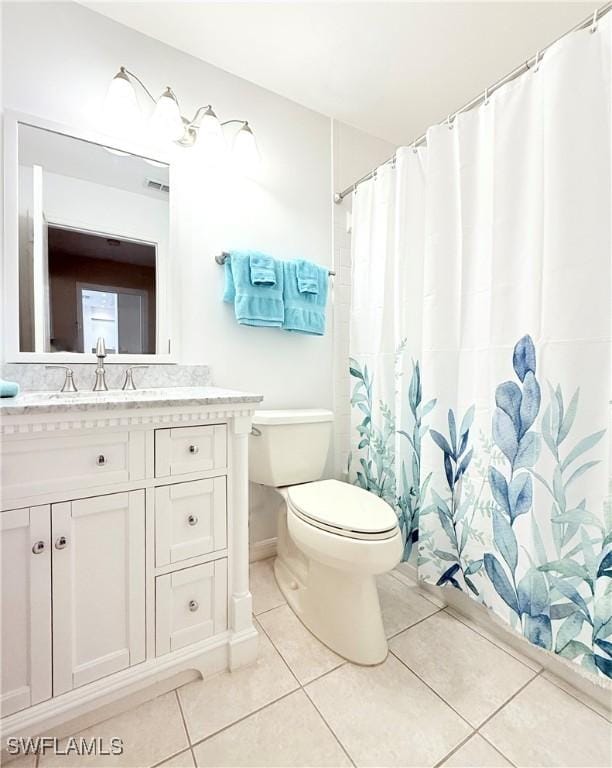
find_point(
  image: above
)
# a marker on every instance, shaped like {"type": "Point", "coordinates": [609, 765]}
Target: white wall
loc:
{"type": "Point", "coordinates": [57, 62]}
{"type": "Point", "coordinates": [58, 59]}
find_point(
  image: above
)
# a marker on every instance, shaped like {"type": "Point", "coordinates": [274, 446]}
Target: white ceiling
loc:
{"type": "Point", "coordinates": [389, 68]}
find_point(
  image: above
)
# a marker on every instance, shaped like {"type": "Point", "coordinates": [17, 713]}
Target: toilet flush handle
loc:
{"type": "Point", "coordinates": [255, 432]}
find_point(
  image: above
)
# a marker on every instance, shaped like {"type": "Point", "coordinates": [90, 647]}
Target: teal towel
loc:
{"type": "Point", "coordinates": [304, 312]}
{"type": "Point", "coordinates": [307, 276]}
{"type": "Point", "coordinates": [260, 305]}
{"type": "Point", "coordinates": [8, 388]}
{"type": "Point", "coordinates": [263, 271]}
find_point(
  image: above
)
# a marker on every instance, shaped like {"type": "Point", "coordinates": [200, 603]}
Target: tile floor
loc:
{"type": "Point", "coordinates": [446, 696]}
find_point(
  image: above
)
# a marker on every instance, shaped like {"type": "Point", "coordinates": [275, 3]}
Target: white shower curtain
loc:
{"type": "Point", "coordinates": [481, 349]}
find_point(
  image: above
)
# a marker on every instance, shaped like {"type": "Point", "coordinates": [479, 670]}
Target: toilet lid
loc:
{"type": "Point", "coordinates": [343, 508]}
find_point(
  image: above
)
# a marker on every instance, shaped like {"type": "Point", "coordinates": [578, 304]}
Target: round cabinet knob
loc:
{"type": "Point", "coordinates": [61, 542]}
{"type": "Point", "coordinates": [193, 605]}
{"type": "Point", "coordinates": [39, 547]}
{"type": "Point", "coordinates": [192, 519]}
{"type": "Point", "coordinates": [194, 449]}
{"type": "Point", "coordinates": [101, 460]}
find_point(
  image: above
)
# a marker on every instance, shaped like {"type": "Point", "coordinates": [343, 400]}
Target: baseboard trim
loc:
{"type": "Point", "coordinates": [599, 690]}
{"type": "Point", "coordinates": [262, 550]}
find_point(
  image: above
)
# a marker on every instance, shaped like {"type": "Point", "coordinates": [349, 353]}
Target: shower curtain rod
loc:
{"type": "Point", "coordinates": [591, 20]}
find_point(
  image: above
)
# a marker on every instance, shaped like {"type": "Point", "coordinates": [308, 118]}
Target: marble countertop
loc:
{"type": "Point", "coordinates": [38, 403]}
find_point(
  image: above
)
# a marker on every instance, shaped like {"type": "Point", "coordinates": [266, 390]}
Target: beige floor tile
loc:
{"type": "Point", "coordinates": [218, 701]}
{"type": "Point", "coordinates": [385, 716]}
{"type": "Point", "coordinates": [583, 697]}
{"type": "Point", "coordinates": [474, 676]}
{"type": "Point", "coordinates": [401, 604]}
{"type": "Point", "coordinates": [264, 588]}
{"type": "Point", "coordinates": [289, 732]}
{"type": "Point", "coordinates": [476, 753]}
{"type": "Point", "coordinates": [496, 640]}
{"type": "Point", "coordinates": [150, 733]}
{"type": "Point", "coordinates": [184, 760]}
{"type": "Point", "coordinates": [544, 726]}
{"type": "Point", "coordinates": [307, 657]}
{"type": "Point", "coordinates": [405, 573]}
{"type": "Point", "coordinates": [17, 761]}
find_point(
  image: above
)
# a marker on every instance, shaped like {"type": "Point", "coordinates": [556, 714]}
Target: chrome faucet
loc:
{"type": "Point", "coordinates": [100, 385]}
{"type": "Point", "coordinates": [69, 385]}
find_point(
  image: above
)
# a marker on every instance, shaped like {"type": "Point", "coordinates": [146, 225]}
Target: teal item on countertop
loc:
{"type": "Point", "coordinates": [308, 276]}
{"type": "Point", "coordinates": [259, 305]}
{"type": "Point", "coordinates": [262, 268]}
{"type": "Point", "coordinates": [304, 312]}
{"type": "Point", "coordinates": [8, 388]}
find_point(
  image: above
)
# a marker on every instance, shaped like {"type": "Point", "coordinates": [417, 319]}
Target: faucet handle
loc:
{"type": "Point", "coordinates": [128, 382]}
{"type": "Point", "coordinates": [100, 347]}
{"type": "Point", "coordinates": [69, 385]}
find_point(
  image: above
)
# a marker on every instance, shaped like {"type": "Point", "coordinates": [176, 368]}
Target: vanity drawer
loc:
{"type": "Point", "coordinates": [190, 605]}
{"type": "Point", "coordinates": [41, 465]}
{"type": "Point", "coordinates": [190, 520]}
{"type": "Point", "coordinates": [181, 450]}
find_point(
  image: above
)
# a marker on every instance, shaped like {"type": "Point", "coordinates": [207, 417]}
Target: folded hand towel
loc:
{"type": "Point", "coordinates": [260, 305]}
{"type": "Point", "coordinates": [262, 268]}
{"type": "Point", "coordinates": [8, 388]}
{"type": "Point", "coordinates": [304, 312]}
{"type": "Point", "coordinates": [307, 276]}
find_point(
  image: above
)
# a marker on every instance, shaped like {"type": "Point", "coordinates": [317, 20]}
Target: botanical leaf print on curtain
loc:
{"type": "Point", "coordinates": [498, 304]}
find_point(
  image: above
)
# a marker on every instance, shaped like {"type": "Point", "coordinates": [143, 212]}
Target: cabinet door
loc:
{"type": "Point", "coordinates": [98, 587]}
{"type": "Point", "coordinates": [190, 520]}
{"type": "Point", "coordinates": [26, 608]}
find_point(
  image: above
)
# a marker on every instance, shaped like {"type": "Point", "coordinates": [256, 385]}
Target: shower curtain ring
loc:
{"type": "Point", "coordinates": [536, 65]}
{"type": "Point", "coordinates": [486, 96]}
{"type": "Point", "coordinates": [414, 148]}
{"type": "Point", "coordinates": [449, 122]}
{"type": "Point", "coordinates": [594, 24]}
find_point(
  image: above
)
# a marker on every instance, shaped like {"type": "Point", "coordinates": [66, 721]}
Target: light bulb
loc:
{"type": "Point", "coordinates": [121, 111]}
{"type": "Point", "coordinates": [166, 121]}
{"type": "Point", "coordinates": [210, 141]}
{"type": "Point", "coordinates": [245, 153]}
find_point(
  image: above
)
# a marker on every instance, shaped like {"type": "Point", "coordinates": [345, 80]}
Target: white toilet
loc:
{"type": "Point", "coordinates": [333, 537]}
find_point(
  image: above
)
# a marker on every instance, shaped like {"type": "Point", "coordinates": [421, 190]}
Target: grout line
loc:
{"type": "Point", "coordinates": [569, 693]}
{"type": "Point", "coordinates": [497, 749]}
{"type": "Point", "coordinates": [404, 579]}
{"type": "Point", "coordinates": [274, 608]}
{"type": "Point", "coordinates": [464, 619]}
{"type": "Point", "coordinates": [439, 696]}
{"type": "Point", "coordinates": [410, 626]}
{"type": "Point", "coordinates": [180, 706]}
{"type": "Point", "coordinates": [171, 757]}
{"type": "Point", "coordinates": [505, 704]}
{"type": "Point", "coordinates": [244, 717]}
{"type": "Point", "coordinates": [303, 687]}
{"type": "Point", "coordinates": [328, 726]}
{"type": "Point", "coordinates": [459, 617]}
{"type": "Point", "coordinates": [455, 749]}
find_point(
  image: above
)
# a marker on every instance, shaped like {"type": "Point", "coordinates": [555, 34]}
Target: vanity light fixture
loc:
{"type": "Point", "coordinates": [204, 130]}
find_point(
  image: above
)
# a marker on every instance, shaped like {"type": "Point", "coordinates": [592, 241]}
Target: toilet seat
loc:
{"type": "Point", "coordinates": [343, 509]}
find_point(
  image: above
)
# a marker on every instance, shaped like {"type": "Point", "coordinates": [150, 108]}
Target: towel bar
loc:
{"type": "Point", "coordinates": [221, 258]}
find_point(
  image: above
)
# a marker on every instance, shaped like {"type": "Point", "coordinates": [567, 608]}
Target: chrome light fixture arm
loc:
{"type": "Point", "coordinates": [192, 126]}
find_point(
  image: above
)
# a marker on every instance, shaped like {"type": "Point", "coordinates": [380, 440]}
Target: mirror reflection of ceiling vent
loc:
{"type": "Point", "coordinates": [157, 185]}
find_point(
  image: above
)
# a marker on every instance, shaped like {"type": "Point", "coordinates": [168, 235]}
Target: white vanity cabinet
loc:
{"type": "Point", "coordinates": [124, 541]}
{"type": "Point", "coordinates": [26, 607]}
{"type": "Point", "coordinates": [98, 566]}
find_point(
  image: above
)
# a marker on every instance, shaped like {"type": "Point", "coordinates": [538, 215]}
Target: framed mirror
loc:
{"type": "Point", "coordinates": [87, 247]}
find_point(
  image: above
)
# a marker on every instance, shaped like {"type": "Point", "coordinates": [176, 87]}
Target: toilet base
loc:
{"type": "Point", "coordinates": [340, 608]}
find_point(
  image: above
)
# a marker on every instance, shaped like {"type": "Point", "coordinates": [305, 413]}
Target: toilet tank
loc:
{"type": "Point", "coordinates": [289, 447]}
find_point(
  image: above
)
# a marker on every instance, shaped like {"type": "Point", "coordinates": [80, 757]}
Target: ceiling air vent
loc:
{"type": "Point", "coordinates": [157, 185]}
